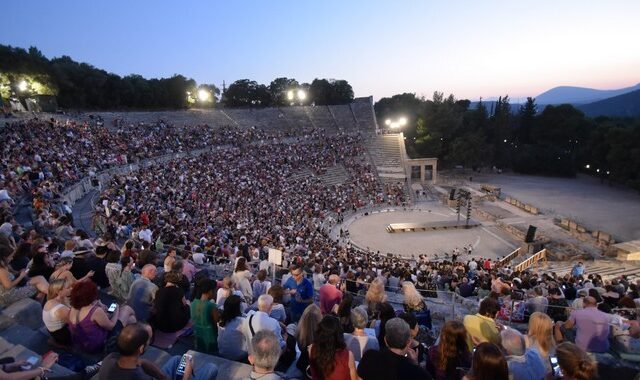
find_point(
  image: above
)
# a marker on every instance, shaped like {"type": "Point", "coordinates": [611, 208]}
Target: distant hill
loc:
{"type": "Point", "coordinates": [579, 95]}
{"type": "Point", "coordinates": [622, 105]}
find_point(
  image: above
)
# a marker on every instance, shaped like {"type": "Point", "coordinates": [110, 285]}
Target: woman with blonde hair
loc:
{"type": "Point", "coordinates": [540, 336]}
{"type": "Point", "coordinates": [55, 313]}
{"type": "Point", "coordinates": [374, 298]}
{"type": "Point", "coordinates": [229, 288]}
{"type": "Point", "coordinates": [413, 301]}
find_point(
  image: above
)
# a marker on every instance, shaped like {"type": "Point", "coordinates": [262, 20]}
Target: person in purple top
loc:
{"type": "Point", "coordinates": [591, 325]}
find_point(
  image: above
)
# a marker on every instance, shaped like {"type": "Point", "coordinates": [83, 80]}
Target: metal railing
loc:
{"type": "Point", "coordinates": [508, 258]}
{"type": "Point", "coordinates": [537, 257]}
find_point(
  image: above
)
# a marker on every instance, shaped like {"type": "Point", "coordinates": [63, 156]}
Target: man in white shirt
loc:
{"type": "Point", "coordinates": [260, 320]}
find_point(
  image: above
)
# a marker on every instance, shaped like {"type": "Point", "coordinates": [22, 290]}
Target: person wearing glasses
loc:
{"type": "Point", "coordinates": [301, 291]}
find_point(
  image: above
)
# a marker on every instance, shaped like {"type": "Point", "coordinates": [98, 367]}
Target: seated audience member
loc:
{"type": "Point", "coordinates": [63, 271]}
{"type": "Point", "coordinates": [488, 363]}
{"type": "Point", "coordinates": [524, 364]}
{"type": "Point", "coordinates": [413, 301]}
{"type": "Point", "coordinates": [264, 353]}
{"type": "Point", "coordinates": [374, 297]}
{"type": "Point", "coordinates": [482, 326]}
{"type": "Point", "coordinates": [89, 323]}
{"type": "Point", "coordinates": [123, 279]}
{"type": "Point", "coordinates": [591, 325]}
{"type": "Point", "coordinates": [398, 362]}
{"type": "Point", "coordinates": [260, 285]}
{"type": "Point", "coordinates": [329, 357]}
{"type": "Point", "coordinates": [41, 265]}
{"type": "Point", "coordinates": [451, 352]}
{"type": "Point", "coordinates": [204, 314]}
{"type": "Point", "coordinates": [278, 311]}
{"type": "Point", "coordinates": [419, 348]}
{"type": "Point", "coordinates": [305, 333]}
{"type": "Point", "coordinates": [128, 364]}
{"type": "Point", "coordinates": [330, 294]}
{"type": "Point", "coordinates": [387, 312]}
{"type": "Point", "coordinates": [14, 371]}
{"type": "Point", "coordinates": [10, 289]}
{"type": "Point", "coordinates": [465, 289]}
{"type": "Point", "coordinates": [537, 303]}
{"type": "Point", "coordinates": [558, 305]}
{"type": "Point", "coordinates": [228, 288]}
{"type": "Point", "coordinates": [575, 363]}
{"type": "Point", "coordinates": [178, 277]}
{"type": "Point", "coordinates": [171, 308]}
{"type": "Point", "coordinates": [232, 342]}
{"type": "Point", "coordinates": [540, 336]}
{"type": "Point", "coordinates": [55, 313]}
{"type": "Point", "coordinates": [260, 320]}
{"type": "Point", "coordinates": [359, 342]}
{"type": "Point", "coordinates": [143, 292]}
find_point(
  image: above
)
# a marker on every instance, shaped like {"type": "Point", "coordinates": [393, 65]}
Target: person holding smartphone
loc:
{"type": "Point", "coordinates": [25, 369]}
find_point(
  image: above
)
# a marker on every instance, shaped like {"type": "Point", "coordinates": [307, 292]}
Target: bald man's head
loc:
{"type": "Point", "coordinates": [334, 279]}
{"type": "Point", "coordinates": [589, 301]}
{"type": "Point", "coordinates": [132, 340]}
{"type": "Point", "coordinates": [149, 271]}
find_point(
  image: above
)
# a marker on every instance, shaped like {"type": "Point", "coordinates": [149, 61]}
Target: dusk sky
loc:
{"type": "Point", "coordinates": [468, 48]}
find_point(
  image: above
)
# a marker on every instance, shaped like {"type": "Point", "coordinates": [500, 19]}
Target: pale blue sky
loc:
{"type": "Point", "coordinates": [468, 48]}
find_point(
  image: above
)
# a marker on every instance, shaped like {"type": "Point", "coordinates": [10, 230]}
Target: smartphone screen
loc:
{"type": "Point", "coordinates": [31, 362]}
{"type": "Point", "coordinates": [183, 364]}
{"type": "Point", "coordinates": [112, 307]}
{"type": "Point", "coordinates": [555, 366]}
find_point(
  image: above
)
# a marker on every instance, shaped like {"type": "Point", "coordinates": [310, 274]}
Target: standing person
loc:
{"type": "Point", "coordinates": [301, 290]}
{"type": "Point", "coordinates": [204, 313]}
{"type": "Point", "coordinates": [591, 327]}
{"type": "Point", "coordinates": [318, 278]}
{"type": "Point", "coordinates": [260, 320]}
{"type": "Point", "coordinates": [399, 362]}
{"type": "Point", "coordinates": [305, 333]}
{"type": "Point", "coordinates": [142, 293]}
{"type": "Point", "coordinates": [451, 352]}
{"type": "Point", "coordinates": [328, 355]}
{"type": "Point", "coordinates": [241, 277]}
{"type": "Point", "coordinates": [260, 285]}
{"type": "Point", "coordinates": [488, 364]}
{"type": "Point", "coordinates": [577, 270]}
{"type": "Point", "coordinates": [330, 294]}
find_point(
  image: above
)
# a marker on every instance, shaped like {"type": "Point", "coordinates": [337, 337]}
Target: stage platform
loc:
{"type": "Point", "coordinates": [431, 226]}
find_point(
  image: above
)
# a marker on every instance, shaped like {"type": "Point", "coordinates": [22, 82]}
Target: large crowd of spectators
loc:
{"type": "Point", "coordinates": [183, 251]}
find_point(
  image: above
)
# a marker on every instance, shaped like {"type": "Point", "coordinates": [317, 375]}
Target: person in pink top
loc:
{"type": "Point", "coordinates": [330, 294]}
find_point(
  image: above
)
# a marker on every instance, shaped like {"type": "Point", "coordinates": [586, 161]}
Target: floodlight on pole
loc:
{"type": "Point", "coordinates": [302, 95]}
{"type": "Point", "coordinates": [402, 121]}
{"type": "Point", "coordinates": [203, 95]}
{"type": "Point", "coordinates": [387, 122]}
{"type": "Point", "coordinates": [397, 123]}
{"type": "Point", "coordinates": [22, 86]}
{"type": "Point", "coordinates": [290, 95]}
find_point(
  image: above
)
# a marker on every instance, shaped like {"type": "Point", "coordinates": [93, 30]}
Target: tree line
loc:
{"type": "Point", "coordinates": [558, 140]}
{"type": "Point", "coordinates": [82, 86]}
